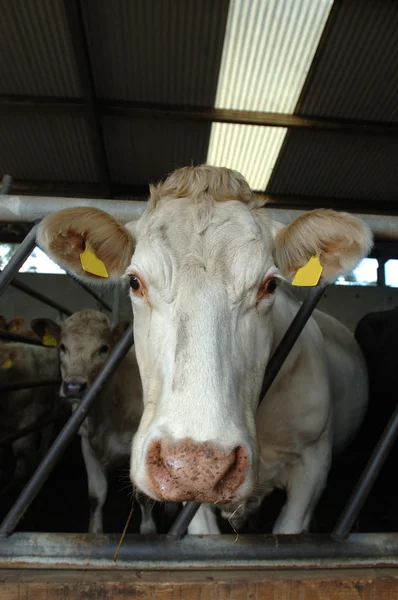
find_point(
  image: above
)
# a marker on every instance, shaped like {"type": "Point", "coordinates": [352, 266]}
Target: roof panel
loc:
{"type": "Point", "coordinates": [166, 51]}
{"type": "Point", "coordinates": [340, 166]}
{"type": "Point", "coordinates": [49, 148]}
{"type": "Point", "coordinates": [355, 74]}
{"type": "Point", "coordinates": [251, 150]}
{"type": "Point", "coordinates": [268, 51]}
{"type": "Point", "coordinates": [36, 57]}
{"type": "Point", "coordinates": [145, 151]}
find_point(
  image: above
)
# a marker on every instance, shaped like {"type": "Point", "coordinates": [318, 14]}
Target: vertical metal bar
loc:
{"type": "Point", "coordinates": [116, 304]}
{"type": "Point", "coordinates": [179, 527]}
{"type": "Point", "coordinates": [367, 479]}
{"type": "Point", "coordinates": [18, 259]}
{"type": "Point", "coordinates": [37, 480]}
{"type": "Point", "coordinates": [77, 33]}
{"type": "Point", "coordinates": [381, 273]}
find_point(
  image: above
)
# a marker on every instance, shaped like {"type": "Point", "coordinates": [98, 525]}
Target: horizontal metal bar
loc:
{"type": "Point", "coordinates": [367, 479]}
{"type": "Point", "coordinates": [47, 465]}
{"type": "Point", "coordinates": [32, 208]}
{"type": "Point", "coordinates": [24, 385]}
{"type": "Point", "coordinates": [17, 105]}
{"type": "Point", "coordinates": [18, 285]}
{"type": "Point", "coordinates": [14, 337]}
{"type": "Point", "coordinates": [82, 551]}
{"type": "Point", "coordinates": [6, 441]}
{"type": "Point", "coordinates": [20, 255]}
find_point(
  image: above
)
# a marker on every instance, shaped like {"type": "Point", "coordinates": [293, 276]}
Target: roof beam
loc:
{"type": "Point", "coordinates": [74, 17]}
{"type": "Point", "coordinates": [136, 110]}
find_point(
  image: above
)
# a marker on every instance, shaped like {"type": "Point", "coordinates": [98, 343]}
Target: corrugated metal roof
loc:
{"type": "Point", "coordinates": [35, 53]}
{"type": "Point", "coordinates": [268, 50]}
{"type": "Point", "coordinates": [49, 148]}
{"type": "Point", "coordinates": [249, 149]}
{"type": "Point", "coordinates": [328, 164]}
{"type": "Point", "coordinates": [356, 73]}
{"type": "Point", "coordinates": [156, 51]}
{"type": "Point", "coordinates": [143, 151]}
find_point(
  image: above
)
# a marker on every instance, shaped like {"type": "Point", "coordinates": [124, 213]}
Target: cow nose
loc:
{"type": "Point", "coordinates": [190, 471]}
{"type": "Point", "coordinates": [74, 387]}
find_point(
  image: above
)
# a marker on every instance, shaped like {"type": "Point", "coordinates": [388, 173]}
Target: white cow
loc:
{"type": "Point", "coordinates": [86, 340]}
{"type": "Point", "coordinates": [204, 264]}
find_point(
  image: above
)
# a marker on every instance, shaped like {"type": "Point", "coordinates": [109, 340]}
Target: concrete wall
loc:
{"type": "Point", "coordinates": [347, 303]}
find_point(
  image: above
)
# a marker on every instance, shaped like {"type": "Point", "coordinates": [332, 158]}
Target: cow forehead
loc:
{"type": "Point", "coordinates": [227, 240]}
{"type": "Point", "coordinates": [85, 327]}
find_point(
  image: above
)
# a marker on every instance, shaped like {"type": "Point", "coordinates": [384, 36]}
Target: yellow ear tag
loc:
{"type": "Point", "coordinates": [7, 363]}
{"type": "Point", "coordinates": [92, 264]}
{"type": "Point", "coordinates": [310, 274]}
{"type": "Point", "coordinates": [48, 339]}
{"type": "Point", "coordinates": [13, 329]}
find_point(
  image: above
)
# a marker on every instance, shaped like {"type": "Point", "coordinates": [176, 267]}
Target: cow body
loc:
{"type": "Point", "coordinates": [21, 408]}
{"type": "Point", "coordinates": [204, 263]}
{"type": "Point", "coordinates": [85, 341]}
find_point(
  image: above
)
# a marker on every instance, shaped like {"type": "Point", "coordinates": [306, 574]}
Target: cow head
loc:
{"type": "Point", "coordinates": [85, 342]}
{"type": "Point", "coordinates": [203, 264]}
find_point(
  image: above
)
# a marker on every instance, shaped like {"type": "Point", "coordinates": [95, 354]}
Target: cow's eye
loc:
{"type": "Point", "coordinates": [270, 285]}
{"type": "Point", "coordinates": [104, 349]}
{"type": "Point", "coordinates": [62, 347]}
{"type": "Point", "coordinates": [134, 283]}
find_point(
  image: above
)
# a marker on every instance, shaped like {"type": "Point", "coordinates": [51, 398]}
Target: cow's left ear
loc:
{"type": "Point", "coordinates": [47, 330]}
{"type": "Point", "coordinates": [66, 234]}
{"type": "Point", "coordinates": [339, 239]}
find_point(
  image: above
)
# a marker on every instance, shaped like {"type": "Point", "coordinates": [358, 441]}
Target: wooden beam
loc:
{"type": "Point", "coordinates": [10, 105]}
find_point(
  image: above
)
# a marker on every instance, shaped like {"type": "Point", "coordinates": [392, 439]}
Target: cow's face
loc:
{"type": "Point", "coordinates": [203, 270]}
{"type": "Point", "coordinates": [85, 342]}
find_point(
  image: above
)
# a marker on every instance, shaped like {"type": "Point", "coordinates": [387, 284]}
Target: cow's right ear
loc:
{"type": "Point", "coordinates": [66, 234]}
{"type": "Point", "coordinates": [46, 328]}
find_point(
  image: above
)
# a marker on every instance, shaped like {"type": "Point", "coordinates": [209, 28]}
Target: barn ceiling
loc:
{"type": "Point", "coordinates": [100, 98]}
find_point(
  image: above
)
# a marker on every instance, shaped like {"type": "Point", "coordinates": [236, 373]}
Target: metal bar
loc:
{"type": "Point", "coordinates": [6, 184]}
{"type": "Point", "coordinates": [77, 34]}
{"type": "Point", "coordinates": [90, 291]}
{"type": "Point", "coordinates": [185, 516]}
{"type": "Point", "coordinates": [367, 479]}
{"type": "Point", "coordinates": [32, 208]}
{"type": "Point", "coordinates": [71, 551]}
{"type": "Point", "coordinates": [37, 480]}
{"type": "Point", "coordinates": [289, 339]}
{"type": "Point", "coordinates": [31, 429]}
{"type": "Point", "coordinates": [381, 272]}
{"type": "Point", "coordinates": [18, 285]}
{"type": "Point", "coordinates": [17, 105]}
{"type": "Point", "coordinates": [24, 385]}
{"type": "Point", "coordinates": [180, 526]}
{"type": "Point", "coordinates": [18, 258]}
{"type": "Point", "coordinates": [14, 337]}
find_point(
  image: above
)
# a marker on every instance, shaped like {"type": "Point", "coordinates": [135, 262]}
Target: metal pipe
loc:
{"type": "Point", "coordinates": [37, 480]}
{"type": "Point", "coordinates": [180, 526]}
{"type": "Point", "coordinates": [116, 304]}
{"type": "Point", "coordinates": [185, 516]}
{"type": "Point", "coordinates": [71, 551]}
{"type": "Point", "coordinates": [90, 291]}
{"type": "Point", "coordinates": [18, 258]}
{"type": "Point", "coordinates": [18, 285]}
{"type": "Point", "coordinates": [24, 385]}
{"type": "Point", "coordinates": [289, 339]}
{"type": "Point", "coordinates": [31, 429]}
{"type": "Point", "coordinates": [14, 337]}
{"type": "Point", "coordinates": [367, 479]}
{"type": "Point", "coordinates": [32, 208]}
